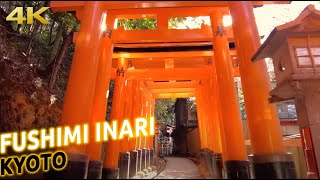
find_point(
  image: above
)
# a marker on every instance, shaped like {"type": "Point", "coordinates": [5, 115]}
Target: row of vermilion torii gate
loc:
{"type": "Point", "coordinates": [221, 133]}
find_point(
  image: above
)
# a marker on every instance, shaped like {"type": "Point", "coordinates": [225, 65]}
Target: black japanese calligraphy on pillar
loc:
{"type": "Point", "coordinates": [120, 72]}
{"type": "Point", "coordinates": [130, 64]}
{"type": "Point", "coordinates": [220, 30]}
{"type": "Point", "coordinates": [109, 32]}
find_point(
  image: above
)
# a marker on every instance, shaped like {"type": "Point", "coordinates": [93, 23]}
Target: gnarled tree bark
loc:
{"type": "Point", "coordinates": [67, 40]}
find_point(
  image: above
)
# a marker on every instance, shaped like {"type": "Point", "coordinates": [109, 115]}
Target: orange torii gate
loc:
{"type": "Point", "coordinates": [208, 75]}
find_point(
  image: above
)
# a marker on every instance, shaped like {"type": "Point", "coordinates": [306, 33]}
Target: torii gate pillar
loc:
{"type": "Point", "coordinates": [152, 137]}
{"type": "Point", "coordinates": [113, 149]}
{"type": "Point", "coordinates": [99, 108]}
{"type": "Point", "coordinates": [136, 106]}
{"type": "Point", "coordinates": [81, 83]}
{"type": "Point", "coordinates": [234, 153]}
{"type": "Point", "coordinates": [212, 157]}
{"type": "Point", "coordinates": [125, 155]}
{"type": "Point", "coordinates": [215, 113]}
{"type": "Point", "coordinates": [201, 120]}
{"type": "Point", "coordinates": [263, 122]}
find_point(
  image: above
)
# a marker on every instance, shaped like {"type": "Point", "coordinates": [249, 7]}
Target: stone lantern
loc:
{"type": "Point", "coordinates": [295, 50]}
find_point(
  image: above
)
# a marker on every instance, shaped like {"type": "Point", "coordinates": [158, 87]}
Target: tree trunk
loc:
{"type": "Point", "coordinates": [3, 21]}
{"type": "Point", "coordinates": [31, 27]}
{"type": "Point", "coordinates": [10, 7]}
{"type": "Point", "coordinates": [18, 30]}
{"type": "Point", "coordinates": [180, 132]}
{"type": "Point", "coordinates": [27, 28]}
{"type": "Point", "coordinates": [34, 32]}
{"type": "Point", "coordinates": [65, 45]}
{"type": "Point", "coordinates": [41, 28]}
{"type": "Point", "coordinates": [56, 44]}
{"type": "Point", "coordinates": [50, 34]}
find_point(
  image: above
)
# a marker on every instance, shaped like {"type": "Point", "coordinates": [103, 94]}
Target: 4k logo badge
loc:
{"type": "Point", "coordinates": [18, 11]}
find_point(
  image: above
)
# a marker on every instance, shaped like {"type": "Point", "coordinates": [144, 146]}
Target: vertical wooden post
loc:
{"type": "Point", "coordinates": [99, 107]}
{"type": "Point", "coordinates": [214, 113]}
{"type": "Point", "coordinates": [110, 164]}
{"type": "Point", "coordinates": [127, 114]}
{"type": "Point", "coordinates": [152, 143]}
{"type": "Point", "coordinates": [136, 108]}
{"type": "Point", "coordinates": [201, 122]}
{"type": "Point", "coordinates": [139, 114]}
{"type": "Point", "coordinates": [263, 122]}
{"type": "Point", "coordinates": [145, 114]}
{"type": "Point", "coordinates": [144, 103]}
{"type": "Point", "coordinates": [148, 139]}
{"type": "Point", "coordinates": [234, 155]}
{"type": "Point", "coordinates": [208, 124]}
{"type": "Point", "coordinates": [202, 125]}
{"type": "Point", "coordinates": [152, 108]}
{"type": "Point", "coordinates": [81, 83]}
{"type": "Point", "coordinates": [125, 155]}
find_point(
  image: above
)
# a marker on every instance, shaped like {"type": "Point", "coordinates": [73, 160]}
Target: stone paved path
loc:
{"type": "Point", "coordinates": [179, 168]}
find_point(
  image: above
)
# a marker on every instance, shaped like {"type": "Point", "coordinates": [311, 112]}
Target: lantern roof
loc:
{"type": "Point", "coordinates": [307, 23]}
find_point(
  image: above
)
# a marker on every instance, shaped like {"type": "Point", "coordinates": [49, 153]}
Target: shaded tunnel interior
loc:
{"type": "Point", "coordinates": [168, 49]}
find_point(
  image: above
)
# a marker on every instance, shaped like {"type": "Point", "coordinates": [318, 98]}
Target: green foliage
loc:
{"type": "Point", "coordinates": [45, 40]}
{"type": "Point", "coordinates": [241, 103]}
{"type": "Point", "coordinates": [193, 107]}
{"type": "Point", "coordinates": [164, 110]}
{"type": "Point", "coordinates": [188, 22]}
{"type": "Point", "coordinates": [174, 22]}
{"type": "Point", "coordinates": [138, 24]}
{"type": "Point", "coordinates": [148, 23]}
{"type": "Point", "coordinates": [67, 20]}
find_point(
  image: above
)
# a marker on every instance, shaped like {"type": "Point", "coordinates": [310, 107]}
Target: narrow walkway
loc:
{"type": "Point", "coordinates": [179, 168]}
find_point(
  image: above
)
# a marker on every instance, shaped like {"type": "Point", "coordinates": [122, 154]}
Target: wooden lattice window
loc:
{"type": "Point", "coordinates": [307, 56]}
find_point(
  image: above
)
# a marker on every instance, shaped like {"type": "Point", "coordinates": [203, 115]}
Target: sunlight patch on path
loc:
{"type": "Point", "coordinates": [179, 168]}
